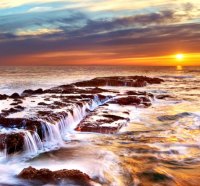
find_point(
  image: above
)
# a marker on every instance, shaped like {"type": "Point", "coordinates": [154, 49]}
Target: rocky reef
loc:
{"type": "Point", "coordinates": [45, 176]}
{"type": "Point", "coordinates": [36, 120]}
{"type": "Point", "coordinates": [32, 119]}
{"type": "Point", "coordinates": [130, 81]}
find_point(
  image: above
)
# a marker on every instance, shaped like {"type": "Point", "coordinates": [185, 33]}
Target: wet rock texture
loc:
{"type": "Point", "coordinates": [133, 100]}
{"type": "Point", "coordinates": [35, 108]}
{"type": "Point", "coordinates": [12, 142]}
{"type": "Point", "coordinates": [130, 81]}
{"type": "Point", "coordinates": [45, 176]}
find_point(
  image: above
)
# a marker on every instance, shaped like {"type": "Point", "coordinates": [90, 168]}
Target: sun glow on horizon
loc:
{"type": "Point", "coordinates": [179, 56]}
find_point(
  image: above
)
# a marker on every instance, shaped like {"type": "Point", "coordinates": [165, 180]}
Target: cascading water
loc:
{"type": "Point", "coordinates": [32, 143]}
{"type": "Point", "coordinates": [54, 134]}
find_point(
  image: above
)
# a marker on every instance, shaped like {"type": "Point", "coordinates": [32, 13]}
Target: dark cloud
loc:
{"type": "Point", "coordinates": [7, 36]}
{"type": "Point", "coordinates": [144, 34]}
{"type": "Point", "coordinates": [127, 38]}
{"type": "Point", "coordinates": [160, 18]}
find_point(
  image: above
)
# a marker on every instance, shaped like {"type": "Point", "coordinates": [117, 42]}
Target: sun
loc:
{"type": "Point", "coordinates": [179, 56]}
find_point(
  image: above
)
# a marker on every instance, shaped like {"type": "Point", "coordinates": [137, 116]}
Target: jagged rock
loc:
{"type": "Point", "coordinates": [3, 96]}
{"type": "Point", "coordinates": [42, 104]}
{"type": "Point", "coordinates": [16, 102]}
{"type": "Point", "coordinates": [12, 110]}
{"type": "Point", "coordinates": [13, 142]}
{"type": "Point", "coordinates": [46, 176]}
{"type": "Point", "coordinates": [130, 100]}
{"type": "Point", "coordinates": [105, 124]}
{"type": "Point", "coordinates": [28, 124]}
{"type": "Point", "coordinates": [15, 95]}
{"type": "Point", "coordinates": [132, 81]}
{"type": "Point", "coordinates": [31, 92]}
{"type": "Point", "coordinates": [57, 103]}
{"type": "Point", "coordinates": [138, 93]}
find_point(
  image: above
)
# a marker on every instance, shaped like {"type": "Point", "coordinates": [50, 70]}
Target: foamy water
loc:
{"type": "Point", "coordinates": [160, 146]}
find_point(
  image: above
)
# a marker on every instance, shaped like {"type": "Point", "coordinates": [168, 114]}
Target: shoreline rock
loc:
{"type": "Point", "coordinates": [38, 107]}
{"type": "Point", "coordinates": [46, 176]}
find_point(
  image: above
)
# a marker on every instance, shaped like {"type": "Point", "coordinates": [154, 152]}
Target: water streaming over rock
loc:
{"type": "Point", "coordinates": [54, 134]}
{"type": "Point", "coordinates": [151, 150]}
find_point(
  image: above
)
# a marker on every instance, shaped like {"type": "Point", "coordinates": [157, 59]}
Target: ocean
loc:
{"type": "Point", "coordinates": [160, 145]}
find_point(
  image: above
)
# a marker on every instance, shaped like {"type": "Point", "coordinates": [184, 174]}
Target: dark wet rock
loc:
{"type": "Point", "coordinates": [134, 93]}
{"type": "Point", "coordinates": [173, 117]}
{"type": "Point", "coordinates": [163, 96]}
{"type": "Point", "coordinates": [87, 96]}
{"type": "Point", "coordinates": [47, 99]}
{"type": "Point", "coordinates": [104, 124]}
{"type": "Point", "coordinates": [66, 98]}
{"type": "Point", "coordinates": [71, 97]}
{"type": "Point", "coordinates": [66, 89]}
{"type": "Point", "coordinates": [44, 113]}
{"type": "Point", "coordinates": [13, 142]}
{"type": "Point", "coordinates": [27, 92]}
{"type": "Point", "coordinates": [46, 176]}
{"type": "Point", "coordinates": [113, 117]}
{"type": "Point", "coordinates": [58, 103]}
{"type": "Point", "coordinates": [98, 129]}
{"type": "Point", "coordinates": [42, 104]}
{"type": "Point", "coordinates": [143, 95]}
{"type": "Point", "coordinates": [50, 116]}
{"type": "Point", "coordinates": [38, 91]}
{"type": "Point", "coordinates": [130, 100]}
{"type": "Point", "coordinates": [19, 107]}
{"type": "Point", "coordinates": [15, 122]}
{"type": "Point", "coordinates": [30, 91]}
{"type": "Point", "coordinates": [142, 101]}
{"type": "Point", "coordinates": [146, 104]}
{"type": "Point", "coordinates": [12, 110]}
{"type": "Point", "coordinates": [3, 96]}
{"type": "Point", "coordinates": [145, 99]}
{"type": "Point", "coordinates": [103, 98]}
{"type": "Point", "coordinates": [155, 176]}
{"type": "Point", "coordinates": [140, 83]}
{"type": "Point", "coordinates": [6, 112]}
{"type": "Point", "coordinates": [98, 90]}
{"type": "Point", "coordinates": [16, 102]}
{"type": "Point", "coordinates": [22, 123]}
{"type": "Point", "coordinates": [15, 96]}
{"type": "Point", "coordinates": [132, 81]}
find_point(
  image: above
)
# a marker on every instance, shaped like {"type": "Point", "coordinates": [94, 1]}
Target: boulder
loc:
{"type": "Point", "coordinates": [46, 176]}
{"type": "Point", "coordinates": [15, 96]}
{"type": "Point", "coordinates": [31, 92]}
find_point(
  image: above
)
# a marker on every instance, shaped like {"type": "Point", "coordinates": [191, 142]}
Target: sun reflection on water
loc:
{"type": "Point", "coordinates": [179, 67]}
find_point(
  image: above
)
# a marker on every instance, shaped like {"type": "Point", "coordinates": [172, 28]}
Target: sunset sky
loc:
{"type": "Point", "coordinates": [98, 32]}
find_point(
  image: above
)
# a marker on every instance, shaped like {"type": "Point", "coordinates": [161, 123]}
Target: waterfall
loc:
{"type": "Point", "coordinates": [54, 134]}
{"type": "Point", "coordinates": [32, 143]}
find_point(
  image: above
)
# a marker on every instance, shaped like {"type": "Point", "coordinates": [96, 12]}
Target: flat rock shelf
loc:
{"type": "Point", "coordinates": [38, 120]}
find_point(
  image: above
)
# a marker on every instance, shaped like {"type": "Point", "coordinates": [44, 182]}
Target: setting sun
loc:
{"type": "Point", "coordinates": [179, 56]}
